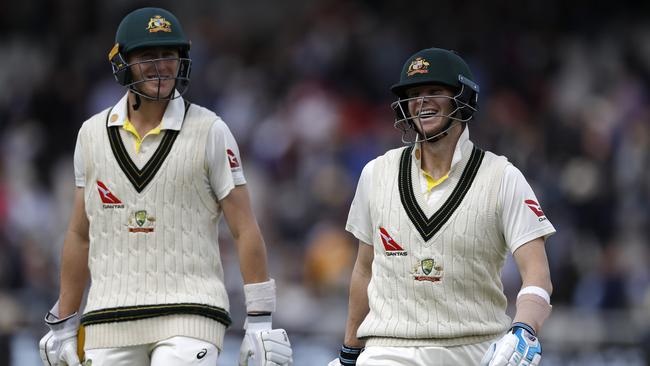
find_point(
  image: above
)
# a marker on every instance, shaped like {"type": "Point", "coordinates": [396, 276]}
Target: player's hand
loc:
{"type": "Point", "coordinates": [263, 346]}
{"type": "Point", "coordinates": [59, 346]}
{"type": "Point", "coordinates": [347, 356]}
{"type": "Point", "coordinates": [519, 347]}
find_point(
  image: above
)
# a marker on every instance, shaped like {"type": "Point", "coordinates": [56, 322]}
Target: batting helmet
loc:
{"type": "Point", "coordinates": [441, 67]}
{"type": "Point", "coordinates": [144, 28]}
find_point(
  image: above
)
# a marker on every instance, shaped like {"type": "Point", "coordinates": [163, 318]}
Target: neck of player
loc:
{"type": "Point", "coordinates": [148, 115]}
{"type": "Point", "coordinates": [437, 155]}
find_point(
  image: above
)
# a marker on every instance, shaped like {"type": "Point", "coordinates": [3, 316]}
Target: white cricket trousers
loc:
{"type": "Point", "coordinates": [466, 355]}
{"type": "Point", "coordinates": [175, 351]}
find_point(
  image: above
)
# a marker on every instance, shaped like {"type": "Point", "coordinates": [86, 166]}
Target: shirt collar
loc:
{"type": "Point", "coordinates": [172, 119]}
{"type": "Point", "coordinates": [458, 150]}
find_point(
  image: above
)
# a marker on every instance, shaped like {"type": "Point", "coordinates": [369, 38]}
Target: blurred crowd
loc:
{"type": "Point", "coordinates": [304, 87]}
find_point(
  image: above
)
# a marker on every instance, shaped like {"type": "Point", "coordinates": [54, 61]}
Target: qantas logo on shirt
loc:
{"type": "Point", "coordinates": [536, 208]}
{"type": "Point", "coordinates": [232, 159]}
{"type": "Point", "coordinates": [391, 247]}
{"type": "Point", "coordinates": [108, 198]}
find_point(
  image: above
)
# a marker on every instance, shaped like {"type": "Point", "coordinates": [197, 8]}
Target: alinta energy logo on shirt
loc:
{"type": "Point", "coordinates": [536, 208]}
{"type": "Point", "coordinates": [391, 247]}
{"type": "Point", "coordinates": [109, 200]}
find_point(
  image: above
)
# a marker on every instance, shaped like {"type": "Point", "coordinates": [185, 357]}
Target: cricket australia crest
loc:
{"type": "Point", "coordinates": [140, 222]}
{"type": "Point", "coordinates": [159, 24]}
{"type": "Point", "coordinates": [427, 270]}
{"type": "Point", "coordinates": [418, 66]}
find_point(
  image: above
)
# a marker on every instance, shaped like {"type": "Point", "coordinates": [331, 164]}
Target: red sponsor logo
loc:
{"type": "Point", "coordinates": [427, 278]}
{"type": "Point", "coordinates": [391, 247]}
{"type": "Point", "coordinates": [232, 159]}
{"type": "Point", "coordinates": [107, 197]}
{"type": "Point", "coordinates": [535, 207]}
{"type": "Point", "coordinates": [141, 230]}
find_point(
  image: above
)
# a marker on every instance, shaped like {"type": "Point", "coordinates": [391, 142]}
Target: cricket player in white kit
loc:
{"type": "Point", "coordinates": [435, 221]}
{"type": "Point", "coordinates": [154, 174]}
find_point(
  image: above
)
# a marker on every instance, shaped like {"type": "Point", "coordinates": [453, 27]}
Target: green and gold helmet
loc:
{"type": "Point", "coordinates": [435, 66]}
{"type": "Point", "coordinates": [146, 28]}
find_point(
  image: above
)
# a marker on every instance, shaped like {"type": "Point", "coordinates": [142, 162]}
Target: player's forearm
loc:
{"type": "Point", "coordinates": [74, 273]}
{"type": "Point", "coordinates": [357, 308]}
{"type": "Point", "coordinates": [246, 232]}
{"type": "Point", "coordinates": [252, 256]}
{"type": "Point", "coordinates": [533, 300]}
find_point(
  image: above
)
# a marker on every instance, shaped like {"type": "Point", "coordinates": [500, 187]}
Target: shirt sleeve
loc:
{"type": "Point", "coordinates": [359, 223]}
{"type": "Point", "coordinates": [231, 150]}
{"type": "Point", "coordinates": [79, 166]}
{"type": "Point", "coordinates": [217, 162]}
{"type": "Point", "coordinates": [522, 217]}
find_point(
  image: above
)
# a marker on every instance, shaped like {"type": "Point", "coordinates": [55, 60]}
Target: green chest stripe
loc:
{"type": "Point", "coordinates": [124, 314]}
{"type": "Point", "coordinates": [429, 226]}
{"type": "Point", "coordinates": [141, 177]}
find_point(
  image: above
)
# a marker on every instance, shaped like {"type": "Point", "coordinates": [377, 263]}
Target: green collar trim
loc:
{"type": "Point", "coordinates": [429, 226]}
{"type": "Point", "coordinates": [140, 178]}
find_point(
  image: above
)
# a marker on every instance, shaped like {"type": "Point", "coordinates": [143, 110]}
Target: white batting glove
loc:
{"type": "Point", "coordinates": [59, 346]}
{"type": "Point", "coordinates": [264, 346]}
{"type": "Point", "coordinates": [519, 347]}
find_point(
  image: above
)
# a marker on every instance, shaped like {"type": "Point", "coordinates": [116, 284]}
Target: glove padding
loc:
{"type": "Point", "coordinates": [347, 356]}
{"type": "Point", "coordinates": [59, 346]}
{"type": "Point", "coordinates": [519, 347]}
{"type": "Point", "coordinates": [263, 346]}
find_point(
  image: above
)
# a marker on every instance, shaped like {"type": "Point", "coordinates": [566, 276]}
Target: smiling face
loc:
{"type": "Point", "coordinates": [430, 106]}
{"type": "Point", "coordinates": [154, 70]}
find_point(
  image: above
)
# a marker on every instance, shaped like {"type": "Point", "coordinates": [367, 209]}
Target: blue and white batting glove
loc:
{"type": "Point", "coordinates": [59, 346]}
{"type": "Point", "coordinates": [519, 347]}
{"type": "Point", "coordinates": [347, 356]}
{"type": "Point", "coordinates": [264, 346]}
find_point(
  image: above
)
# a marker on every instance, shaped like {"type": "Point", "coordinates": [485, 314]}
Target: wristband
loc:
{"type": "Point", "coordinates": [260, 297]}
{"type": "Point", "coordinates": [55, 322]}
{"type": "Point", "coordinates": [532, 310]}
{"type": "Point", "coordinates": [535, 290]}
{"type": "Point", "coordinates": [523, 326]}
{"type": "Point", "coordinates": [348, 355]}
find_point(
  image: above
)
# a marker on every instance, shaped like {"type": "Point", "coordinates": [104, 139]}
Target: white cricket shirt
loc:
{"type": "Point", "coordinates": [520, 222]}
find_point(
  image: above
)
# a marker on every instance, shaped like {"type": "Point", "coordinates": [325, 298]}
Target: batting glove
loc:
{"type": "Point", "coordinates": [347, 356]}
{"type": "Point", "coordinates": [59, 346]}
{"type": "Point", "coordinates": [264, 346]}
{"type": "Point", "coordinates": [519, 347]}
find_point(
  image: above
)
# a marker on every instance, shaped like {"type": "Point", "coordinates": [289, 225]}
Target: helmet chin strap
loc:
{"type": "Point", "coordinates": [441, 134]}
{"type": "Point", "coordinates": [137, 103]}
{"type": "Point", "coordinates": [138, 96]}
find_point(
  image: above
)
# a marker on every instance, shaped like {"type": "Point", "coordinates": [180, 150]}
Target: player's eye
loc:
{"type": "Point", "coordinates": [144, 57]}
